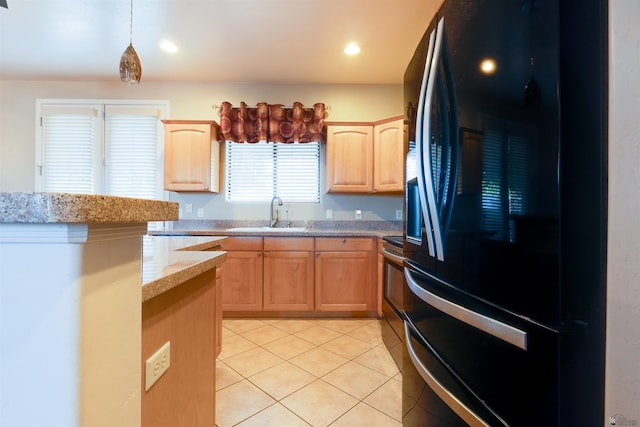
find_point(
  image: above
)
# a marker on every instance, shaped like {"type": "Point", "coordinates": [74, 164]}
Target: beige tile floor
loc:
{"type": "Point", "coordinates": [317, 372]}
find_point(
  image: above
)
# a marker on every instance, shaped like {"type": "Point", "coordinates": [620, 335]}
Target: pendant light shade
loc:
{"type": "Point", "coordinates": [130, 67]}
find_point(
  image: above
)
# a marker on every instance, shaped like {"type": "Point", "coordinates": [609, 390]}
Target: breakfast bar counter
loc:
{"type": "Point", "coordinates": [71, 305]}
{"type": "Point", "coordinates": [169, 261]}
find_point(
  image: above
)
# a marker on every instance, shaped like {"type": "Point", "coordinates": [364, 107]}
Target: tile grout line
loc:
{"type": "Point", "coordinates": [341, 333]}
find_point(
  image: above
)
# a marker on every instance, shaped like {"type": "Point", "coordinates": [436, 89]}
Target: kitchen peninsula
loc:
{"type": "Point", "coordinates": [71, 303]}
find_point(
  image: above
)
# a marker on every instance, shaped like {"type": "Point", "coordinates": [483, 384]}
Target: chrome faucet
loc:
{"type": "Point", "coordinates": [274, 211]}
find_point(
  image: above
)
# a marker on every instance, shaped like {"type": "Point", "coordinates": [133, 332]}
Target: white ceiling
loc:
{"type": "Point", "coordinates": [262, 41]}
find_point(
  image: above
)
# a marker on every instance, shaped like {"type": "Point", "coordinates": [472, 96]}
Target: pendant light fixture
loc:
{"type": "Point", "coordinates": [130, 68]}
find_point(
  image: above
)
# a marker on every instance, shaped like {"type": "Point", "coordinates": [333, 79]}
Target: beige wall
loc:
{"type": "Point", "coordinates": [195, 101]}
{"type": "Point", "coordinates": [623, 253]}
{"type": "Point", "coordinates": [187, 101]}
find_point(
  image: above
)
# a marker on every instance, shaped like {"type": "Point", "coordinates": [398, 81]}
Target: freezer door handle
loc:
{"type": "Point", "coordinates": [423, 170]}
{"type": "Point", "coordinates": [447, 397]}
{"type": "Point", "coordinates": [496, 328]}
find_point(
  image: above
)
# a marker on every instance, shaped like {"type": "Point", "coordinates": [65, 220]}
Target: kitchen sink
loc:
{"type": "Point", "coordinates": [268, 229]}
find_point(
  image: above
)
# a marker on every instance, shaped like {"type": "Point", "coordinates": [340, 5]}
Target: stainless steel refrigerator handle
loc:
{"type": "Point", "coordinates": [447, 397]}
{"type": "Point", "coordinates": [422, 193]}
{"type": "Point", "coordinates": [432, 205]}
{"type": "Point", "coordinates": [453, 135]}
{"type": "Point", "coordinates": [479, 321]}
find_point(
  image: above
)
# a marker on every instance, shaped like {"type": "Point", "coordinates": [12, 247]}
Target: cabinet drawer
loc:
{"type": "Point", "coordinates": [288, 244]}
{"type": "Point", "coordinates": [242, 244]}
{"type": "Point", "coordinates": [343, 244]}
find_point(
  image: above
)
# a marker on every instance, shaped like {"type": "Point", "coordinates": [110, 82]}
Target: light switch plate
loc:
{"type": "Point", "coordinates": [157, 365]}
{"type": "Point", "coordinates": [398, 214]}
{"type": "Point", "coordinates": [358, 214]}
{"type": "Point", "coordinates": [329, 213]}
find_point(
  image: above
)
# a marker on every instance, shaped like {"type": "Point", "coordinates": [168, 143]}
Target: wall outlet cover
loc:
{"type": "Point", "coordinates": [157, 365]}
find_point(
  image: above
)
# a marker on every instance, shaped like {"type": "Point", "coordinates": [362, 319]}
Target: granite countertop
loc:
{"type": "Point", "coordinates": [343, 232]}
{"type": "Point", "coordinates": [169, 261]}
{"type": "Point", "coordinates": [48, 208]}
{"type": "Point", "coordinates": [299, 228]}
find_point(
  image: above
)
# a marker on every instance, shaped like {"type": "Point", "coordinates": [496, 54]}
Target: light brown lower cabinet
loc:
{"type": "Point", "coordinates": [218, 311]}
{"type": "Point", "coordinates": [185, 316]}
{"type": "Point", "coordinates": [299, 274]}
{"type": "Point", "coordinates": [344, 274]}
{"type": "Point", "coordinates": [288, 274]}
{"type": "Point", "coordinates": [242, 282]}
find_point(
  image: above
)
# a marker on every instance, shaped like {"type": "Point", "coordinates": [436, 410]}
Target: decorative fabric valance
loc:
{"type": "Point", "coordinates": [273, 123]}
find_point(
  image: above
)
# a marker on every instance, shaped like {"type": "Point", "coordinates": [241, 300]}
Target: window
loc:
{"type": "Point", "coordinates": [260, 171]}
{"type": "Point", "coordinates": [99, 148]}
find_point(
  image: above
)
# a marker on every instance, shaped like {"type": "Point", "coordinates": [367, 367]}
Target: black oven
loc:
{"type": "Point", "coordinates": [394, 293]}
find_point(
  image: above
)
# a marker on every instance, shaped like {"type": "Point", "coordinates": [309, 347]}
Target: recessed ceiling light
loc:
{"type": "Point", "coordinates": [352, 49]}
{"type": "Point", "coordinates": [168, 46]}
{"type": "Point", "coordinates": [488, 66]}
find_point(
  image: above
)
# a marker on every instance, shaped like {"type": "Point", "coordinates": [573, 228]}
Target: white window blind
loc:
{"type": "Point", "coordinates": [100, 149]}
{"type": "Point", "coordinates": [70, 149]}
{"type": "Point", "coordinates": [260, 171]}
{"type": "Point", "coordinates": [131, 159]}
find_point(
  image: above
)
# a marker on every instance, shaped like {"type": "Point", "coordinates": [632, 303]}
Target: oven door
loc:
{"type": "Point", "coordinates": [394, 294]}
{"type": "Point", "coordinates": [487, 366]}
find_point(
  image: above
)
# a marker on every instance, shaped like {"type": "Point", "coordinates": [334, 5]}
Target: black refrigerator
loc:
{"type": "Point", "coordinates": [505, 216]}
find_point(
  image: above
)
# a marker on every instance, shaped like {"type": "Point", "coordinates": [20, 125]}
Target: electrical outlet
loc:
{"type": "Point", "coordinates": [188, 207]}
{"type": "Point", "coordinates": [329, 213]}
{"type": "Point", "coordinates": [157, 365]}
{"type": "Point", "coordinates": [398, 214]}
{"type": "Point", "coordinates": [358, 214]}
{"type": "Point", "coordinates": [200, 212]}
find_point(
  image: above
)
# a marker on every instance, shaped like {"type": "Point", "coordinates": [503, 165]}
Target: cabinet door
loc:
{"type": "Point", "coordinates": [349, 159]}
{"type": "Point", "coordinates": [344, 281]}
{"type": "Point", "coordinates": [242, 281]}
{"type": "Point", "coordinates": [388, 157]}
{"type": "Point", "coordinates": [190, 156]}
{"type": "Point", "coordinates": [288, 281]}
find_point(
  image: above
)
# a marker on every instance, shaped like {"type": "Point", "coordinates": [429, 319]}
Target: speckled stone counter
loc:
{"type": "Point", "coordinates": [283, 233]}
{"type": "Point", "coordinates": [168, 261]}
{"type": "Point", "coordinates": [311, 228]}
{"type": "Point", "coordinates": [47, 208]}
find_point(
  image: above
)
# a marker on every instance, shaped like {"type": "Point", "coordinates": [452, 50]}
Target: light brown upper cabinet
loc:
{"type": "Point", "coordinates": [191, 155]}
{"type": "Point", "coordinates": [389, 142]}
{"type": "Point", "coordinates": [366, 157]}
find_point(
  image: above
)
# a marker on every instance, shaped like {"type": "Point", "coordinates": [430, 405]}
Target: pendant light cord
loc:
{"type": "Point", "coordinates": [131, 24]}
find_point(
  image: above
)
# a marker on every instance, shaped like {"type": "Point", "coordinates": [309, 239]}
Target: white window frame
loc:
{"type": "Point", "coordinates": [101, 105]}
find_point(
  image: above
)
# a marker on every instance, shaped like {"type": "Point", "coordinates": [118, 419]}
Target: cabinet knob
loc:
{"type": "Point", "coordinates": [344, 240]}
